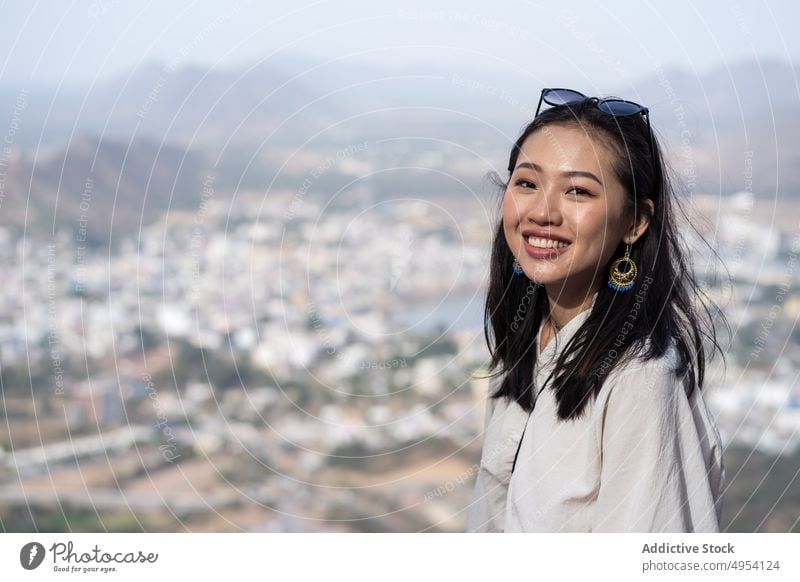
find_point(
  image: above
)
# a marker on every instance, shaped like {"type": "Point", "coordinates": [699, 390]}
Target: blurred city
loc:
{"type": "Point", "coordinates": [249, 299]}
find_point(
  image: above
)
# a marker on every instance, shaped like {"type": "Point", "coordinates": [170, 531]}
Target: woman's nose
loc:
{"type": "Point", "coordinates": [544, 208]}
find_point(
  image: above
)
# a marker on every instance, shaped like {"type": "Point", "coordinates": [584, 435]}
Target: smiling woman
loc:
{"type": "Point", "coordinates": [595, 419]}
{"type": "Point", "coordinates": [552, 210]}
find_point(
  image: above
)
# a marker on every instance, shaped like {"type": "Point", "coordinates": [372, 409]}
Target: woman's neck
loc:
{"type": "Point", "coordinates": [563, 308]}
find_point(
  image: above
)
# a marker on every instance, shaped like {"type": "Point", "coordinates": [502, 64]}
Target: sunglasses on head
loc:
{"type": "Point", "coordinates": [613, 106]}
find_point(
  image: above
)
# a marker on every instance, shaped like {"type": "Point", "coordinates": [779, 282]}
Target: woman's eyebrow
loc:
{"type": "Point", "coordinates": [568, 174]}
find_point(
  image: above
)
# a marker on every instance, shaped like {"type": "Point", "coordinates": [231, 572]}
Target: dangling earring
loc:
{"type": "Point", "coordinates": [623, 280]}
{"type": "Point", "coordinates": [517, 269]}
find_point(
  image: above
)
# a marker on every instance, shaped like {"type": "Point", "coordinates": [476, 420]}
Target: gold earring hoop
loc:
{"type": "Point", "coordinates": [620, 280]}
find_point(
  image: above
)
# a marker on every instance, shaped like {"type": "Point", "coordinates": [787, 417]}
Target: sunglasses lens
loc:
{"type": "Point", "coordinates": [563, 96]}
{"type": "Point", "coordinates": [619, 107]}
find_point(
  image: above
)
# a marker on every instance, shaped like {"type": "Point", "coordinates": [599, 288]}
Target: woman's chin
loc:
{"type": "Point", "coordinates": [545, 277]}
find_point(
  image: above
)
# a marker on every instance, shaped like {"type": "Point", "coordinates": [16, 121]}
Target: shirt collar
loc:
{"type": "Point", "coordinates": [565, 333]}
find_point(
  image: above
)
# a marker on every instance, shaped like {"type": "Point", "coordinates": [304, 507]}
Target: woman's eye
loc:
{"type": "Point", "coordinates": [525, 183]}
{"type": "Point", "coordinates": [579, 191]}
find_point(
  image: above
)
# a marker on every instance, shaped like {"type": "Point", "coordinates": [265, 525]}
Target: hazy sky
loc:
{"type": "Point", "coordinates": [55, 41]}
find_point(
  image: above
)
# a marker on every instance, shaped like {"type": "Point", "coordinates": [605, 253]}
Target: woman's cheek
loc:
{"type": "Point", "coordinates": [587, 224]}
{"type": "Point", "coordinates": [511, 209]}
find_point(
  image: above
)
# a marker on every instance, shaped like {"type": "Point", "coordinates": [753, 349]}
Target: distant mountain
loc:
{"type": "Point", "coordinates": [165, 101]}
{"type": "Point", "coordinates": [278, 117]}
{"type": "Point", "coordinates": [189, 104]}
{"type": "Point", "coordinates": [99, 184]}
{"type": "Point", "coordinates": [725, 93]}
{"type": "Point", "coordinates": [733, 119]}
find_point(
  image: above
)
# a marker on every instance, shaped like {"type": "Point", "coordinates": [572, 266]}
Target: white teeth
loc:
{"type": "Point", "coordinates": [546, 243]}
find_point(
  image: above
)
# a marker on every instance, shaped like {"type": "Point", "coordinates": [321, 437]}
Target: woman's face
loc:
{"type": "Point", "coordinates": [564, 187]}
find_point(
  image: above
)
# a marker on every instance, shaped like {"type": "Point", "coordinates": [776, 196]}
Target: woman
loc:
{"type": "Point", "coordinates": [595, 420]}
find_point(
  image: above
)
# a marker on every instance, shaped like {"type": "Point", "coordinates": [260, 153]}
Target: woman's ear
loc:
{"type": "Point", "coordinates": [640, 223]}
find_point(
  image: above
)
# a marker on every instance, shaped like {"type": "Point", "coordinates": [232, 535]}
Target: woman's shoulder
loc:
{"type": "Point", "coordinates": [658, 378]}
{"type": "Point", "coordinates": [635, 358]}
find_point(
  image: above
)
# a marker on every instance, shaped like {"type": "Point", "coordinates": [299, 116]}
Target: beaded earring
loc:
{"type": "Point", "coordinates": [620, 280]}
{"type": "Point", "coordinates": [517, 269]}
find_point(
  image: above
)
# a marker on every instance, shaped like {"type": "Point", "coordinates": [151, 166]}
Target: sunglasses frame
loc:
{"type": "Point", "coordinates": [598, 102]}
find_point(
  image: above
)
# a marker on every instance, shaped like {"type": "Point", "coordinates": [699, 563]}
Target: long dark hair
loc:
{"type": "Point", "coordinates": [662, 306]}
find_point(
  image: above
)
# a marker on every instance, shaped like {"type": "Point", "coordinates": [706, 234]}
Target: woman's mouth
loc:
{"type": "Point", "coordinates": [542, 248]}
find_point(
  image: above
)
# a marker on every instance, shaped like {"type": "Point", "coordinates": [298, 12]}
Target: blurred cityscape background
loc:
{"type": "Point", "coordinates": [246, 293]}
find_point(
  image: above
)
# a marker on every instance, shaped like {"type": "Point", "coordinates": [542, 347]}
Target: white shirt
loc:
{"type": "Point", "coordinates": [642, 458]}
